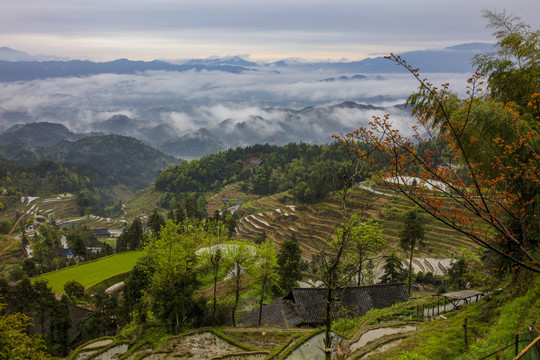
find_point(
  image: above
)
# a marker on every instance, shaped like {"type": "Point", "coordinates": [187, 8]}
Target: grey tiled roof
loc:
{"type": "Point", "coordinates": [307, 306]}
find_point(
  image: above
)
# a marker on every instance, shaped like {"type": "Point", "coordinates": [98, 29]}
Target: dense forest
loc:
{"type": "Point", "coordinates": [309, 172]}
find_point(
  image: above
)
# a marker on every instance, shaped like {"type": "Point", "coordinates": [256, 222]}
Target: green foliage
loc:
{"type": "Point", "coordinates": [155, 222]}
{"type": "Point", "coordinates": [137, 282]}
{"type": "Point", "coordinates": [49, 234]}
{"type": "Point", "coordinates": [393, 269]}
{"type": "Point", "coordinates": [345, 327]}
{"type": "Point", "coordinates": [89, 167]}
{"type": "Point", "coordinates": [174, 279]}
{"type": "Point", "coordinates": [42, 179]}
{"type": "Point", "coordinates": [289, 261]}
{"type": "Point", "coordinates": [5, 226]}
{"type": "Point", "coordinates": [213, 256]}
{"type": "Point", "coordinates": [240, 257]}
{"type": "Point", "coordinates": [411, 356]}
{"type": "Point", "coordinates": [132, 237]}
{"type": "Point", "coordinates": [367, 241]}
{"type": "Point", "coordinates": [51, 316]}
{"type": "Point", "coordinates": [15, 343]}
{"type": "Point", "coordinates": [492, 322]}
{"type": "Point", "coordinates": [223, 309]}
{"type": "Point", "coordinates": [42, 253]}
{"type": "Point", "coordinates": [74, 289]}
{"type": "Point", "coordinates": [265, 270]}
{"type": "Point", "coordinates": [308, 169]}
{"type": "Point", "coordinates": [513, 68]}
{"type": "Point", "coordinates": [412, 234]}
{"type": "Point", "coordinates": [78, 238]}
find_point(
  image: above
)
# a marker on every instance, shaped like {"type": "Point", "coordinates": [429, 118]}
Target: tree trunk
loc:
{"type": "Point", "coordinates": [410, 270]}
{"type": "Point", "coordinates": [215, 288]}
{"type": "Point", "coordinates": [237, 297]}
{"type": "Point", "coordinates": [262, 300]}
{"type": "Point", "coordinates": [328, 323]}
{"type": "Point", "coordinates": [359, 273]}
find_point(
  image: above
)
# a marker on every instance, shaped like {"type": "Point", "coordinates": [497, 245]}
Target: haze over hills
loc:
{"type": "Point", "coordinates": [198, 106]}
{"type": "Point", "coordinates": [274, 126]}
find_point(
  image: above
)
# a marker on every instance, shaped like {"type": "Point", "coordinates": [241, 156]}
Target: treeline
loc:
{"type": "Point", "coordinates": [107, 160]}
{"type": "Point", "coordinates": [52, 318]}
{"type": "Point", "coordinates": [46, 244]}
{"type": "Point", "coordinates": [46, 178]}
{"type": "Point", "coordinates": [310, 171]}
{"type": "Point", "coordinates": [41, 179]}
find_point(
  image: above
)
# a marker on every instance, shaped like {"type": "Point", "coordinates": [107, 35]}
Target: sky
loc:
{"type": "Point", "coordinates": [104, 30]}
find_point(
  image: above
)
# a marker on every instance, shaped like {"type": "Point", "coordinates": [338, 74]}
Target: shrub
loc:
{"type": "Point", "coordinates": [74, 289]}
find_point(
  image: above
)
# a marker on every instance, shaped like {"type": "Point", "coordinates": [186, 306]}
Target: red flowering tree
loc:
{"type": "Point", "coordinates": [485, 187]}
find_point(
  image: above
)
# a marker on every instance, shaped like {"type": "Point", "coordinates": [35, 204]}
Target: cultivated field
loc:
{"type": "Point", "coordinates": [314, 224]}
{"type": "Point", "coordinates": [91, 273]}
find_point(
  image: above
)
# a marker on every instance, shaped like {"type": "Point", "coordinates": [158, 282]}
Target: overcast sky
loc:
{"type": "Point", "coordinates": [263, 30]}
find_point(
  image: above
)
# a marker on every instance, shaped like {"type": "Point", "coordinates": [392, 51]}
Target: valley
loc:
{"type": "Point", "coordinates": [224, 208]}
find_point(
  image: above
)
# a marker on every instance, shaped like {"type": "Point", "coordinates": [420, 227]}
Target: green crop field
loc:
{"type": "Point", "coordinates": [93, 272]}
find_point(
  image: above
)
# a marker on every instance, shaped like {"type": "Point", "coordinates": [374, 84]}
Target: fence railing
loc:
{"type": "Point", "coordinates": [530, 352]}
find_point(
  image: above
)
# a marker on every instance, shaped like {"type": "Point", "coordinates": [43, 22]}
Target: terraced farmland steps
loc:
{"type": "Point", "coordinates": [378, 338]}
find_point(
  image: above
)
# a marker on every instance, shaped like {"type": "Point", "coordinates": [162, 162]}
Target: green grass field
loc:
{"type": "Point", "coordinates": [93, 272]}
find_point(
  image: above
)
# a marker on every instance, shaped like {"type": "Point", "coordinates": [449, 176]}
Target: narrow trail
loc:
{"type": "Point", "coordinates": [8, 247]}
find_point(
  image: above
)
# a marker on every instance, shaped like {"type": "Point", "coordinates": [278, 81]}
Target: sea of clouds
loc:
{"type": "Point", "coordinates": [188, 101]}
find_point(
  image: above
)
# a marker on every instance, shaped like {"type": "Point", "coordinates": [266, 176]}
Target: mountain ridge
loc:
{"type": "Point", "coordinates": [20, 66]}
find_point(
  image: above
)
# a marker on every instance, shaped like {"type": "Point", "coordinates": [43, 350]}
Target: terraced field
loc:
{"type": "Point", "coordinates": [312, 225]}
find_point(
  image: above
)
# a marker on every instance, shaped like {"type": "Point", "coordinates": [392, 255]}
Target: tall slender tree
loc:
{"type": "Point", "coordinates": [288, 261]}
{"type": "Point", "coordinates": [214, 254]}
{"type": "Point", "coordinates": [412, 235]}
{"type": "Point", "coordinates": [367, 240]}
{"type": "Point", "coordinates": [265, 270]}
{"type": "Point", "coordinates": [174, 281]}
{"type": "Point", "coordinates": [240, 256]}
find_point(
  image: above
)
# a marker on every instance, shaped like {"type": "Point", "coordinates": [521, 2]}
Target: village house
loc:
{"type": "Point", "coordinates": [253, 162]}
{"type": "Point", "coordinates": [101, 233]}
{"type": "Point", "coordinates": [306, 306]}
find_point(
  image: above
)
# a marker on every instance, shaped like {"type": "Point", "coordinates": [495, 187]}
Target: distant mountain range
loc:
{"type": "Point", "coordinates": [31, 70]}
{"type": "Point", "coordinates": [19, 66]}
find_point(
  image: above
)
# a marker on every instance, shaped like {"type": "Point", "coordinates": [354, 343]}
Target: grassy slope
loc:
{"type": "Point", "coordinates": [91, 273]}
{"type": "Point", "coordinates": [492, 323]}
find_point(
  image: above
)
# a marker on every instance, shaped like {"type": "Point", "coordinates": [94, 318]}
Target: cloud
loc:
{"type": "Point", "coordinates": [254, 103]}
{"type": "Point", "coordinates": [272, 29]}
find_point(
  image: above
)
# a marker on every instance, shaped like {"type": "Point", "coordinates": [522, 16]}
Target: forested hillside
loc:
{"type": "Point", "coordinates": [89, 167]}
{"type": "Point", "coordinates": [309, 172]}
